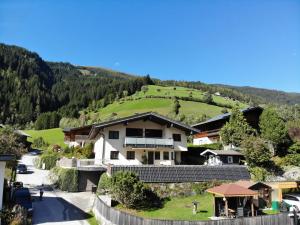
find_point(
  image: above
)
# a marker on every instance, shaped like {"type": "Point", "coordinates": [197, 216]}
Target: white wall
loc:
{"type": "Point", "coordinates": [2, 172]}
{"type": "Point", "coordinates": [118, 144]}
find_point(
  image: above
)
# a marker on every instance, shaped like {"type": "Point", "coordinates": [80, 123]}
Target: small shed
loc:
{"type": "Point", "coordinates": [264, 191]}
{"type": "Point", "coordinates": [220, 157]}
{"type": "Point", "coordinates": [233, 200]}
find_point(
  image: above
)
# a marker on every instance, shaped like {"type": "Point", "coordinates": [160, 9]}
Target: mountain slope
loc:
{"type": "Point", "coordinates": [30, 86]}
{"type": "Point", "coordinates": [267, 95]}
{"type": "Point", "coordinates": [160, 99]}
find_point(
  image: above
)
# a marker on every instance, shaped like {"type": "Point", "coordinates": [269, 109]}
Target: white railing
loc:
{"type": "Point", "coordinates": [148, 142]}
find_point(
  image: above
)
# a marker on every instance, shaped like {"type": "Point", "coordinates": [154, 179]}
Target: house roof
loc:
{"type": "Point", "coordinates": [231, 190]}
{"type": "Point", "coordinates": [249, 184]}
{"type": "Point", "coordinates": [143, 116]}
{"type": "Point", "coordinates": [185, 173]}
{"type": "Point", "coordinates": [226, 116]}
{"type": "Point", "coordinates": [222, 152]}
{"type": "Point", "coordinates": [7, 157]}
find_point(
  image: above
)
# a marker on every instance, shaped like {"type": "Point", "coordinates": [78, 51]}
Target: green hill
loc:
{"type": "Point", "coordinates": [160, 99]}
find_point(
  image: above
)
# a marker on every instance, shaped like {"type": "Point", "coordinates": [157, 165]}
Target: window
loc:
{"type": "Point", "coordinates": [230, 159]}
{"type": "Point", "coordinates": [113, 134]}
{"type": "Point", "coordinates": [153, 133]}
{"type": "Point", "coordinates": [166, 155]}
{"type": "Point", "coordinates": [134, 132]}
{"type": "Point", "coordinates": [114, 155]}
{"type": "Point", "coordinates": [177, 137]}
{"type": "Point", "coordinates": [172, 155]}
{"type": "Point", "coordinates": [157, 155]}
{"type": "Point", "coordinates": [130, 155]}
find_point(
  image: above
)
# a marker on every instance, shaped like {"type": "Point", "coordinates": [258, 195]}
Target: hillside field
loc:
{"type": "Point", "coordinates": [162, 103]}
{"type": "Point", "coordinates": [51, 136]}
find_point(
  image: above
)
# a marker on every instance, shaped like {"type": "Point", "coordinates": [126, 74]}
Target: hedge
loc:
{"type": "Point", "coordinates": [48, 159]}
{"type": "Point", "coordinates": [66, 179]}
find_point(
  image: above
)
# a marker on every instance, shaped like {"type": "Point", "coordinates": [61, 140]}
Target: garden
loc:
{"type": "Point", "coordinates": [131, 195]}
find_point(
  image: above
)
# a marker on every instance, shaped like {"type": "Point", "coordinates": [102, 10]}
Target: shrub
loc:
{"type": "Point", "coordinates": [87, 151]}
{"type": "Point", "coordinates": [259, 174]}
{"type": "Point", "coordinates": [294, 148]}
{"type": "Point", "coordinates": [127, 189]}
{"type": "Point", "coordinates": [39, 143]}
{"type": "Point", "coordinates": [49, 159]}
{"type": "Point", "coordinates": [200, 188]}
{"type": "Point", "coordinates": [65, 179]}
{"type": "Point", "coordinates": [213, 146]}
{"type": "Point", "coordinates": [104, 184]}
{"type": "Point", "coordinates": [291, 160]}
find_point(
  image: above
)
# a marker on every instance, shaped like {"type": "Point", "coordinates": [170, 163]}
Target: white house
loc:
{"type": "Point", "coordinates": [146, 138]}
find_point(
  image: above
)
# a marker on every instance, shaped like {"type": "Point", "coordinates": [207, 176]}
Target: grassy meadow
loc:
{"type": "Point", "coordinates": [51, 136]}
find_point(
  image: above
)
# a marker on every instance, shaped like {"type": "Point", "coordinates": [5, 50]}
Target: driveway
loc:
{"type": "Point", "coordinates": [57, 207]}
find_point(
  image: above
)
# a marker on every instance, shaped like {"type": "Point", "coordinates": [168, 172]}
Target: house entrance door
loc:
{"type": "Point", "coordinates": [150, 157]}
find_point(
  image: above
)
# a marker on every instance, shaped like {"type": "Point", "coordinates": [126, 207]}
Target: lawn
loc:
{"type": "Point", "coordinates": [180, 208]}
{"type": "Point", "coordinates": [51, 136]}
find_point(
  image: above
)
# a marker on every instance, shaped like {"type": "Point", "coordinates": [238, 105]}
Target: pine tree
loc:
{"type": "Point", "coordinates": [176, 106]}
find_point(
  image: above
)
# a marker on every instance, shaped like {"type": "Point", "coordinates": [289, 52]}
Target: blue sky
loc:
{"type": "Point", "coordinates": [238, 42]}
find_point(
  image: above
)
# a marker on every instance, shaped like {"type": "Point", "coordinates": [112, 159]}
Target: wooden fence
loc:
{"type": "Point", "coordinates": [112, 216]}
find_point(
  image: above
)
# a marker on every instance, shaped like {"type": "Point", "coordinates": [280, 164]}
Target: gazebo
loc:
{"type": "Point", "coordinates": [230, 199]}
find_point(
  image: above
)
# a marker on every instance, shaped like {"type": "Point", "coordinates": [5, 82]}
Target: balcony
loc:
{"type": "Point", "coordinates": [148, 142]}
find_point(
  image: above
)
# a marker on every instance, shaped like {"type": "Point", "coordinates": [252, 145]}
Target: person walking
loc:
{"type": "Point", "coordinates": [41, 192]}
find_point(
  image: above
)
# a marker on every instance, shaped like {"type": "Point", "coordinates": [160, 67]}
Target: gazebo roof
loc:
{"type": "Point", "coordinates": [250, 184]}
{"type": "Point", "coordinates": [231, 190]}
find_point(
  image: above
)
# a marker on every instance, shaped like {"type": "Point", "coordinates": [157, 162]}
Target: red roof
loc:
{"type": "Point", "coordinates": [231, 190]}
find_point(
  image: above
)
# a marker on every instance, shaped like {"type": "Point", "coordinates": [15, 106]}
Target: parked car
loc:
{"type": "Point", "coordinates": [292, 199]}
{"type": "Point", "coordinates": [22, 197]}
{"type": "Point", "coordinates": [21, 168]}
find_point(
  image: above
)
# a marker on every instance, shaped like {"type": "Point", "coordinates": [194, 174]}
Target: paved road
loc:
{"type": "Point", "coordinates": [56, 207]}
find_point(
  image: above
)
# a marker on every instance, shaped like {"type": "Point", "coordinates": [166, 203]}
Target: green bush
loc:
{"type": "Point", "coordinates": [213, 146]}
{"type": "Point", "coordinates": [66, 179]}
{"type": "Point", "coordinates": [127, 189]}
{"type": "Point", "coordinates": [259, 174]}
{"type": "Point", "coordinates": [294, 148]}
{"type": "Point", "coordinates": [291, 160]}
{"type": "Point", "coordinates": [49, 159]}
{"type": "Point", "coordinates": [87, 151]}
{"type": "Point", "coordinates": [200, 188]}
{"type": "Point", "coordinates": [39, 143]}
{"type": "Point", "coordinates": [104, 184]}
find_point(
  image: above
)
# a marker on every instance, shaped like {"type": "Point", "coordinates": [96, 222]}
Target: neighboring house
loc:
{"type": "Point", "coordinates": [3, 160]}
{"type": "Point", "coordinates": [209, 130]}
{"type": "Point", "coordinates": [146, 138]}
{"type": "Point", "coordinates": [221, 157]}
